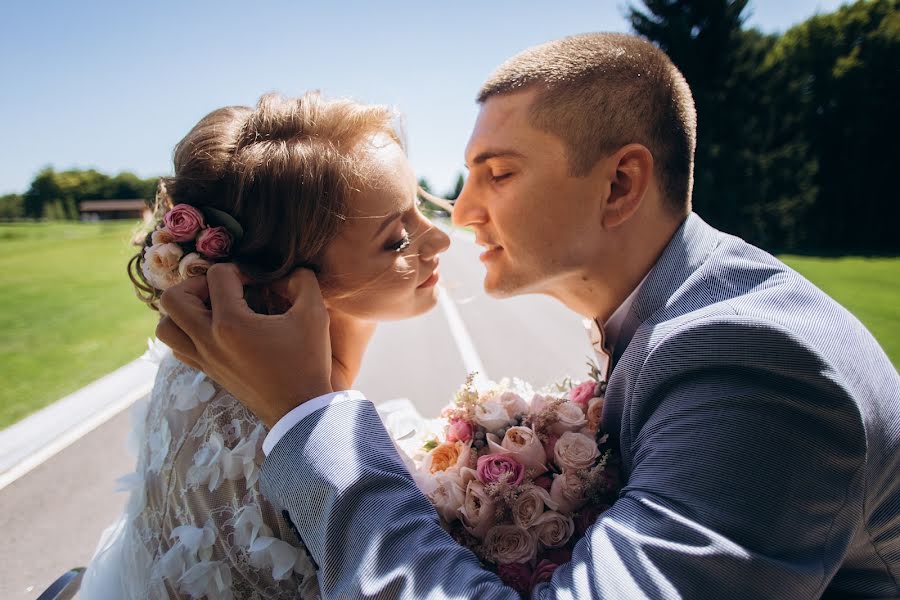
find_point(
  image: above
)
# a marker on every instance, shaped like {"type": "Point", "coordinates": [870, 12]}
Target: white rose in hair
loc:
{"type": "Point", "coordinates": [570, 418]}
{"type": "Point", "coordinates": [491, 415]}
{"type": "Point", "coordinates": [160, 266]}
{"type": "Point", "coordinates": [575, 451]}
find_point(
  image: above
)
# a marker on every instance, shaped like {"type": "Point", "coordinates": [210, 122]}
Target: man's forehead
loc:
{"type": "Point", "coordinates": [502, 123]}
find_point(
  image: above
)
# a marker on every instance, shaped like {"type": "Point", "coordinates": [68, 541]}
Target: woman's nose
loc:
{"type": "Point", "coordinates": [436, 241]}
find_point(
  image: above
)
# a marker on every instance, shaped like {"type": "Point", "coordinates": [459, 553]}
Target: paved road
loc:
{"type": "Point", "coordinates": [52, 517]}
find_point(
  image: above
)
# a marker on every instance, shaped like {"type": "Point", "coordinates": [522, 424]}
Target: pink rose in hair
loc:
{"type": "Point", "coordinates": [516, 575]}
{"type": "Point", "coordinates": [582, 394]}
{"type": "Point", "coordinates": [543, 572]}
{"type": "Point", "coordinates": [459, 430]}
{"type": "Point", "coordinates": [183, 221]}
{"type": "Point", "coordinates": [494, 468]}
{"type": "Point", "coordinates": [214, 242]}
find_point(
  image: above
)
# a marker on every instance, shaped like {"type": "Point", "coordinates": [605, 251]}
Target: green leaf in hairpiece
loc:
{"type": "Point", "coordinates": [218, 218]}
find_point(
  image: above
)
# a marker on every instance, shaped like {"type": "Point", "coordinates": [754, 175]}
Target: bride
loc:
{"type": "Point", "coordinates": [292, 182]}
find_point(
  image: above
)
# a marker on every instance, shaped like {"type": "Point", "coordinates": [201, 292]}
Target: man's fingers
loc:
{"type": "Point", "coordinates": [226, 290]}
{"type": "Point", "coordinates": [185, 303]}
{"type": "Point", "coordinates": [173, 337]}
{"type": "Point", "coordinates": [187, 360]}
{"type": "Point", "coordinates": [301, 289]}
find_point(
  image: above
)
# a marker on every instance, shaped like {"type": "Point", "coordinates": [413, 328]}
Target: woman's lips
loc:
{"type": "Point", "coordinates": [431, 280]}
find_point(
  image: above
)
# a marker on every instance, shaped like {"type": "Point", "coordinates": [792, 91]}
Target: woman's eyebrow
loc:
{"type": "Point", "coordinates": [386, 223]}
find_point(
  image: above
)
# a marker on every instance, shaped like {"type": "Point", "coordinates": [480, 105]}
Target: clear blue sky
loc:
{"type": "Point", "coordinates": [114, 85]}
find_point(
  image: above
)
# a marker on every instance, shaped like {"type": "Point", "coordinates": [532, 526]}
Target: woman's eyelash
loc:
{"type": "Point", "coordinates": [401, 244]}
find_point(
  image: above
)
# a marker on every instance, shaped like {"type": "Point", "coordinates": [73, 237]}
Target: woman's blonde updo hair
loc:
{"type": "Point", "coordinates": [284, 171]}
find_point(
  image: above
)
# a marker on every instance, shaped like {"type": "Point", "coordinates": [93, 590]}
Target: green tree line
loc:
{"type": "Point", "coordinates": [797, 132]}
{"type": "Point", "coordinates": [54, 195]}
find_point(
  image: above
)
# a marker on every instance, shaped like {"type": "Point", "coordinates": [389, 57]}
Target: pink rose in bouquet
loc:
{"type": "Point", "coordinates": [500, 468]}
{"type": "Point", "coordinates": [183, 222]}
{"type": "Point", "coordinates": [518, 576]}
{"type": "Point", "coordinates": [543, 573]}
{"type": "Point", "coordinates": [459, 430]}
{"type": "Point", "coordinates": [581, 394]}
{"type": "Point", "coordinates": [519, 483]}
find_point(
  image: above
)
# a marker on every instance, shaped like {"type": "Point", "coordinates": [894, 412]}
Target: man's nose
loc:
{"type": "Point", "coordinates": [466, 209]}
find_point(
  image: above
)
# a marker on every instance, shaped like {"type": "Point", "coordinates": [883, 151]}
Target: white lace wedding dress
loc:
{"type": "Point", "coordinates": [196, 524]}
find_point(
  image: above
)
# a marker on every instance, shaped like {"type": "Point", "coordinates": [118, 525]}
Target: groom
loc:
{"type": "Point", "coordinates": [758, 421]}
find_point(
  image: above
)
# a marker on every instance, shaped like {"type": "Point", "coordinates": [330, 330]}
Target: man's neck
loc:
{"type": "Point", "coordinates": [605, 283]}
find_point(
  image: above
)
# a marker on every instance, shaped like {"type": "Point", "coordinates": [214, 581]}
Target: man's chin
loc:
{"type": "Point", "coordinates": [499, 287]}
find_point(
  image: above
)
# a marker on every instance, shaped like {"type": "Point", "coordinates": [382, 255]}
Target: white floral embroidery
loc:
{"type": "Point", "coordinates": [248, 524]}
{"type": "Point", "coordinates": [207, 580]}
{"type": "Point", "coordinates": [191, 390]}
{"type": "Point", "coordinates": [159, 441]}
{"type": "Point", "coordinates": [270, 553]}
{"type": "Point", "coordinates": [199, 453]}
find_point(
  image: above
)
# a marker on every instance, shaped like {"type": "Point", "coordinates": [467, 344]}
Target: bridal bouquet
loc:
{"type": "Point", "coordinates": [519, 482]}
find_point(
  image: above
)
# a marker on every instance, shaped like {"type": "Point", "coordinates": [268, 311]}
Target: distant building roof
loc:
{"type": "Point", "coordinates": [111, 205]}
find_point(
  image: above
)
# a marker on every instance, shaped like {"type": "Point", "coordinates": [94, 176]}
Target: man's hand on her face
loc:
{"type": "Point", "coordinates": [271, 363]}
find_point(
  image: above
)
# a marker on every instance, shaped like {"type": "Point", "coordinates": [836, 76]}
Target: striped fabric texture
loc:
{"type": "Point", "coordinates": [759, 424]}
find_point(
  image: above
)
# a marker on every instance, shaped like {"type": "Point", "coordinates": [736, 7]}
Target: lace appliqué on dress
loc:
{"type": "Point", "coordinates": [197, 525]}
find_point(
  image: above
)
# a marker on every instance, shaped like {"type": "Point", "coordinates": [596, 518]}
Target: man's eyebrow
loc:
{"type": "Point", "coordinates": [386, 223]}
{"type": "Point", "coordinates": [489, 154]}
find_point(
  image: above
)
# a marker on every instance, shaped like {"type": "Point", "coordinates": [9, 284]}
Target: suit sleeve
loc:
{"type": "Point", "coordinates": [745, 482]}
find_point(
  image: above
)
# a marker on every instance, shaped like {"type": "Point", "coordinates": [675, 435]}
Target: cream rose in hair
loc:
{"type": "Point", "coordinates": [193, 265]}
{"type": "Point", "coordinates": [575, 451]}
{"type": "Point", "coordinates": [160, 265]}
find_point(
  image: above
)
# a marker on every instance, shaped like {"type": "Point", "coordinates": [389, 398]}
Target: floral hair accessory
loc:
{"type": "Point", "coordinates": [187, 243]}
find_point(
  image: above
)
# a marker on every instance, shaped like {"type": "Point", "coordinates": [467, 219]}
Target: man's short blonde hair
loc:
{"type": "Point", "coordinates": [602, 91]}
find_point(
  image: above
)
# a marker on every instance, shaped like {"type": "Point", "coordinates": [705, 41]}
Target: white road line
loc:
{"type": "Point", "coordinates": [464, 343]}
{"type": "Point", "coordinates": [72, 436]}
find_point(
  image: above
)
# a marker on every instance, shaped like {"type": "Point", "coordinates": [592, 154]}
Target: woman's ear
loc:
{"type": "Point", "coordinates": [632, 172]}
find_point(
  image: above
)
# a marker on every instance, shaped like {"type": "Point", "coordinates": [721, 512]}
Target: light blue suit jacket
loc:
{"type": "Point", "coordinates": [759, 425]}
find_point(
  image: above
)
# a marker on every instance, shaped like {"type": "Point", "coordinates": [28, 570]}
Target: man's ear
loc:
{"type": "Point", "coordinates": [631, 171]}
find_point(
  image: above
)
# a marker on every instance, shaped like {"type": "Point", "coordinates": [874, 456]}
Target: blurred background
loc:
{"type": "Point", "coordinates": [798, 134]}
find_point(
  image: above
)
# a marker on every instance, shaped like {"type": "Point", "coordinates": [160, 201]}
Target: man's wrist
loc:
{"type": "Point", "coordinates": [292, 418]}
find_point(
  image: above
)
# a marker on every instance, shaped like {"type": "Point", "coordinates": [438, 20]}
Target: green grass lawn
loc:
{"type": "Point", "coordinates": [67, 311]}
{"type": "Point", "coordinates": [867, 287]}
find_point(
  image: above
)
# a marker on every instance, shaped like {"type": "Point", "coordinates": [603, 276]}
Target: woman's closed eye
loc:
{"type": "Point", "coordinates": [401, 244]}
